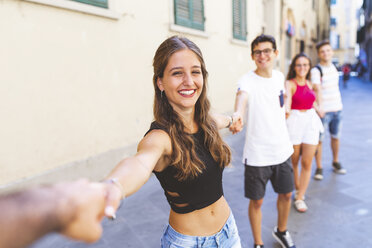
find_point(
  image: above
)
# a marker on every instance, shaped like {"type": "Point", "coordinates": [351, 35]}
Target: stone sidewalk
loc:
{"type": "Point", "coordinates": [340, 206]}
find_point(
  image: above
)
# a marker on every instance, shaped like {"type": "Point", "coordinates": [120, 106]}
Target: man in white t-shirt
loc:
{"type": "Point", "coordinates": [267, 148]}
{"type": "Point", "coordinates": [325, 79]}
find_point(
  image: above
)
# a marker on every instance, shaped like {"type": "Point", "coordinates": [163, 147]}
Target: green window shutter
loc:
{"type": "Point", "coordinates": [98, 3]}
{"type": "Point", "coordinates": [240, 19]}
{"type": "Point", "coordinates": [189, 13]}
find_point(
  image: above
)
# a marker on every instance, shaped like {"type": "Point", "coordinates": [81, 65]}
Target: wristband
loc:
{"type": "Point", "coordinates": [116, 182]}
{"type": "Point", "coordinates": [230, 122]}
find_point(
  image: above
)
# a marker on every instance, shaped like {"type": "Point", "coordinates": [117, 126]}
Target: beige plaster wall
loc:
{"type": "Point", "coordinates": [77, 87]}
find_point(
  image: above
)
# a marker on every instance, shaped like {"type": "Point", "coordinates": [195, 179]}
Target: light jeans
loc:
{"type": "Point", "coordinates": [227, 237]}
{"type": "Point", "coordinates": [333, 122]}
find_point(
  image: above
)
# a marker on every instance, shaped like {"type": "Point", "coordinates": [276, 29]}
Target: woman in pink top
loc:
{"type": "Point", "coordinates": [303, 124]}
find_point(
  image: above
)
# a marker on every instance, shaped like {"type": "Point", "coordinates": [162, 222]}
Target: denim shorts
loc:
{"type": "Point", "coordinates": [227, 237]}
{"type": "Point", "coordinates": [333, 122]}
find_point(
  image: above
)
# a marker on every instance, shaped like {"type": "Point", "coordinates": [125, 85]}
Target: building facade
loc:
{"type": "Point", "coordinates": [344, 24]}
{"type": "Point", "coordinates": [303, 24]}
{"type": "Point", "coordinates": [364, 39]}
{"type": "Point", "coordinates": [76, 77]}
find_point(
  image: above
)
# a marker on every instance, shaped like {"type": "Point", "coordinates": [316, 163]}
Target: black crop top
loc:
{"type": "Point", "coordinates": [195, 193]}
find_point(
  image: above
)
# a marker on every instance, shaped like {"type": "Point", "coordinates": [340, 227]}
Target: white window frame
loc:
{"type": "Point", "coordinates": [244, 43]}
{"type": "Point", "coordinates": [81, 7]}
{"type": "Point", "coordinates": [182, 29]}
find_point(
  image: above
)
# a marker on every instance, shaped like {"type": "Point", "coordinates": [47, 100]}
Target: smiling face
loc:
{"type": "Point", "coordinates": [264, 55]}
{"type": "Point", "coordinates": [302, 67]}
{"type": "Point", "coordinates": [182, 80]}
{"type": "Point", "coordinates": [325, 53]}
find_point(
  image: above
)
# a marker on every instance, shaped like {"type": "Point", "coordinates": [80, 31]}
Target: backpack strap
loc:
{"type": "Point", "coordinates": [320, 70]}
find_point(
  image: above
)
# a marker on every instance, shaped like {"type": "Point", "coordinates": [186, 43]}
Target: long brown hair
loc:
{"type": "Point", "coordinates": [183, 154]}
{"type": "Point", "coordinates": [292, 73]}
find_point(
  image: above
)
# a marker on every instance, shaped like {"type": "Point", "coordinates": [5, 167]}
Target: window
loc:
{"type": "Point", "coordinates": [302, 46]}
{"type": "Point", "coordinates": [189, 13]}
{"type": "Point", "coordinates": [333, 21]}
{"type": "Point", "coordinates": [288, 46]}
{"type": "Point", "coordinates": [338, 42]}
{"type": "Point", "coordinates": [240, 19]}
{"type": "Point", "coordinates": [101, 8]}
{"type": "Point", "coordinates": [98, 3]}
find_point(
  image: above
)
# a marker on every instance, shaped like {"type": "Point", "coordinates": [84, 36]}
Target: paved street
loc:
{"type": "Point", "coordinates": [340, 206]}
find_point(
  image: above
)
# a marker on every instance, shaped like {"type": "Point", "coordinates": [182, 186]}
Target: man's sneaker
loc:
{"type": "Point", "coordinates": [258, 246]}
{"type": "Point", "coordinates": [285, 239]}
{"type": "Point", "coordinates": [337, 168]}
{"type": "Point", "coordinates": [318, 174]}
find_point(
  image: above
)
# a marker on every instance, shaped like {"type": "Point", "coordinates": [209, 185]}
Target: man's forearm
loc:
{"type": "Point", "coordinates": [28, 215]}
{"type": "Point", "coordinates": [240, 103]}
{"type": "Point", "coordinates": [318, 93]}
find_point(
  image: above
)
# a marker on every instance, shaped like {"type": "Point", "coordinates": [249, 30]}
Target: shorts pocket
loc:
{"type": "Point", "coordinates": [168, 244]}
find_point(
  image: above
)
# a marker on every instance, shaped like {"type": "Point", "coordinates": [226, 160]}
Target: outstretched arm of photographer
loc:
{"type": "Point", "coordinates": [132, 173]}
{"type": "Point", "coordinates": [74, 209]}
{"type": "Point", "coordinates": [241, 100]}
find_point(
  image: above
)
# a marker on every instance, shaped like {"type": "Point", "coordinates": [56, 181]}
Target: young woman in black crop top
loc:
{"type": "Point", "coordinates": [185, 151]}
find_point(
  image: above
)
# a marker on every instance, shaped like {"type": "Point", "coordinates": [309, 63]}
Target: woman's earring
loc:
{"type": "Point", "coordinates": [161, 94]}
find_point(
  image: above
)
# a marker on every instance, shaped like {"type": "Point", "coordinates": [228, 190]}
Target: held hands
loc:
{"type": "Point", "coordinates": [287, 113]}
{"type": "Point", "coordinates": [237, 124]}
{"type": "Point", "coordinates": [114, 194]}
{"type": "Point", "coordinates": [88, 203]}
{"type": "Point", "coordinates": [320, 112]}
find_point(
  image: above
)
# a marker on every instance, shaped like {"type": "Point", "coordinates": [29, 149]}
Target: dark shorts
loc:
{"type": "Point", "coordinates": [256, 178]}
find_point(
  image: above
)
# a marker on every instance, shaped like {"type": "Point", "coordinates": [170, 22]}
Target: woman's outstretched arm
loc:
{"type": "Point", "coordinates": [132, 173]}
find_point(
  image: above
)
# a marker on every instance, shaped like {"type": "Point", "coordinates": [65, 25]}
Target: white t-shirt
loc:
{"type": "Point", "coordinates": [331, 97]}
{"type": "Point", "coordinates": [267, 141]}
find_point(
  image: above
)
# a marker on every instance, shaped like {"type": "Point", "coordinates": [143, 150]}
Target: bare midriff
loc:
{"type": "Point", "coordinates": [202, 222]}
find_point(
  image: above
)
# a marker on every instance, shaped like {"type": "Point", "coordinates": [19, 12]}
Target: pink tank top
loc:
{"type": "Point", "coordinates": [303, 98]}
